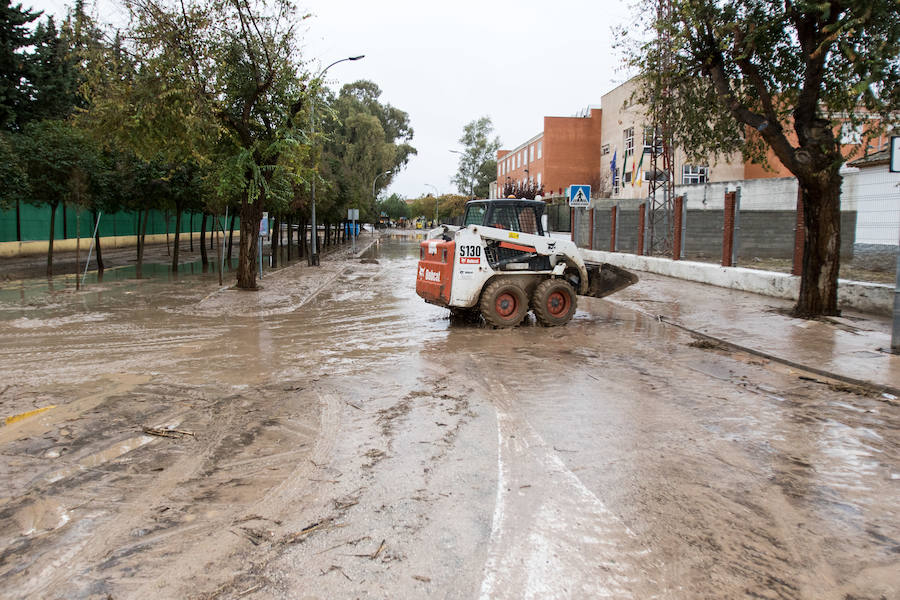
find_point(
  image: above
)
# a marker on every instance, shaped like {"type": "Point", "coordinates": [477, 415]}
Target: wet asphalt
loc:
{"type": "Point", "coordinates": [332, 436]}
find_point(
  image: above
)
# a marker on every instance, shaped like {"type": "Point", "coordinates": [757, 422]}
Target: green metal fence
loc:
{"type": "Point", "coordinates": [34, 222]}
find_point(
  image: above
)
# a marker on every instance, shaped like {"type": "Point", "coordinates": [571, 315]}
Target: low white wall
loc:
{"type": "Point", "coordinates": [875, 298]}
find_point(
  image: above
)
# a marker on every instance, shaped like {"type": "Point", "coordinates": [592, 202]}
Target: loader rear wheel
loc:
{"type": "Point", "coordinates": [554, 302]}
{"type": "Point", "coordinates": [503, 303]}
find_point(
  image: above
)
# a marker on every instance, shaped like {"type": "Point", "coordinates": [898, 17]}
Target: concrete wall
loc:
{"type": "Point", "coordinates": [866, 297]}
{"type": "Point", "coordinates": [762, 233]}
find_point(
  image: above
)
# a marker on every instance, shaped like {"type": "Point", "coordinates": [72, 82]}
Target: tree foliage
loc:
{"type": "Point", "coordinates": [478, 160]}
{"type": "Point", "coordinates": [751, 75]}
{"type": "Point", "coordinates": [364, 139]}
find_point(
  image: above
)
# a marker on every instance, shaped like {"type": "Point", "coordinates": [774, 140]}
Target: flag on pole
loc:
{"type": "Point", "coordinates": [639, 172]}
{"type": "Point", "coordinates": [612, 167]}
{"type": "Point", "coordinates": [624, 166]}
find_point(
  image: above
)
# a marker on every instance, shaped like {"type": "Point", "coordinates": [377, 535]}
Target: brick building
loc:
{"type": "Point", "coordinates": [580, 150]}
{"type": "Point", "coordinates": [567, 151]}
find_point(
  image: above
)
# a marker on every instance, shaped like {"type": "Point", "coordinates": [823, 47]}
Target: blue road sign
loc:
{"type": "Point", "coordinates": [579, 196]}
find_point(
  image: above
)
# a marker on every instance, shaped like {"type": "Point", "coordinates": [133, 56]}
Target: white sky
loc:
{"type": "Point", "coordinates": [448, 63]}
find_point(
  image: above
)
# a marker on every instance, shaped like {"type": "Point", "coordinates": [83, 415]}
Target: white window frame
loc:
{"type": "Point", "coordinates": [629, 141]}
{"type": "Point", "coordinates": [531, 151]}
{"type": "Point", "coordinates": [694, 174]}
{"type": "Point", "coordinates": [540, 146]}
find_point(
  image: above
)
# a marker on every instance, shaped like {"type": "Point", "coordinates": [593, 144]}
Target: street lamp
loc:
{"type": "Point", "coordinates": [313, 251]}
{"type": "Point", "coordinates": [374, 198]}
{"type": "Point", "coordinates": [471, 180]}
{"type": "Point", "coordinates": [436, 194]}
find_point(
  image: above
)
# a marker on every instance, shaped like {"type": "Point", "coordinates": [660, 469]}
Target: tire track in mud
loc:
{"type": "Point", "coordinates": [182, 498]}
{"type": "Point", "coordinates": [550, 535]}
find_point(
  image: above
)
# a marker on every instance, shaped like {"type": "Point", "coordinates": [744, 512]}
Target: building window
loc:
{"type": "Point", "coordinates": [851, 134]}
{"type": "Point", "coordinates": [524, 155]}
{"type": "Point", "coordinates": [604, 149]}
{"type": "Point", "coordinates": [627, 178]}
{"type": "Point", "coordinates": [649, 140]}
{"type": "Point", "coordinates": [694, 174]}
{"type": "Point", "coordinates": [629, 141]}
{"type": "Point", "coordinates": [518, 156]}
{"type": "Point", "coordinates": [539, 180]}
{"type": "Point", "coordinates": [531, 152]}
{"type": "Point", "coordinates": [540, 148]}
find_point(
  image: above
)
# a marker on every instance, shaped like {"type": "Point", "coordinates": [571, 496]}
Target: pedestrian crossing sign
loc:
{"type": "Point", "coordinates": [580, 196]}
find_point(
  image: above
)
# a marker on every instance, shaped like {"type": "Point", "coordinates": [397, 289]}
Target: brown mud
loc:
{"type": "Point", "coordinates": [333, 436]}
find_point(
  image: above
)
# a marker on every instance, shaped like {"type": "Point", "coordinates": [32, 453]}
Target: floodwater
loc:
{"type": "Point", "coordinates": [333, 436]}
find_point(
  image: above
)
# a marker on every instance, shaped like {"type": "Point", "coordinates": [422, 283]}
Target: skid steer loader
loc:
{"type": "Point", "coordinates": [503, 262]}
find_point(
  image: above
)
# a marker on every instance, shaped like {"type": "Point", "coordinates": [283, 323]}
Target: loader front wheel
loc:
{"type": "Point", "coordinates": [503, 303]}
{"type": "Point", "coordinates": [554, 302]}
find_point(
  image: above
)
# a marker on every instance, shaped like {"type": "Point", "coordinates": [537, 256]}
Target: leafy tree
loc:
{"type": "Point", "coordinates": [217, 82]}
{"type": "Point", "coordinates": [394, 206]}
{"type": "Point", "coordinates": [13, 182]}
{"type": "Point", "coordinates": [15, 64]}
{"type": "Point", "coordinates": [59, 161]}
{"type": "Point", "coordinates": [745, 75]}
{"type": "Point", "coordinates": [365, 139]}
{"type": "Point", "coordinates": [478, 160]}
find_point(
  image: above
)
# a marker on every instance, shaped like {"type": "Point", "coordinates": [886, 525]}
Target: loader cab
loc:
{"type": "Point", "coordinates": [524, 216]}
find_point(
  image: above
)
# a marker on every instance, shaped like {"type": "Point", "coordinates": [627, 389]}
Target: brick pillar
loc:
{"type": "Point", "coordinates": [613, 215]}
{"type": "Point", "coordinates": [799, 235]}
{"type": "Point", "coordinates": [641, 222]}
{"type": "Point", "coordinates": [728, 229]}
{"type": "Point", "coordinates": [591, 230]}
{"type": "Point", "coordinates": [676, 243]}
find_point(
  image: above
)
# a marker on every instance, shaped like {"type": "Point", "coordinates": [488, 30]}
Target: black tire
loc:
{"type": "Point", "coordinates": [503, 303]}
{"type": "Point", "coordinates": [554, 302]}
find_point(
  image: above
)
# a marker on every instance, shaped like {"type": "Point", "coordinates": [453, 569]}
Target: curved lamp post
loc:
{"type": "Point", "coordinates": [436, 194]}
{"type": "Point", "coordinates": [471, 181]}
{"type": "Point", "coordinates": [313, 251]}
{"type": "Point", "coordinates": [373, 204]}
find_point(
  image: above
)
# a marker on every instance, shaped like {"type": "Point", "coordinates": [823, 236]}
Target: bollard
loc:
{"type": "Point", "coordinates": [676, 243]}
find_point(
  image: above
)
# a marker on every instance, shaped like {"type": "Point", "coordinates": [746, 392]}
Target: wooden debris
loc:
{"type": "Point", "coordinates": [338, 569]}
{"type": "Point", "coordinates": [356, 406]}
{"type": "Point", "coordinates": [166, 432]}
{"type": "Point", "coordinates": [380, 548]}
{"type": "Point", "coordinates": [296, 537]}
{"type": "Point", "coordinates": [422, 578]}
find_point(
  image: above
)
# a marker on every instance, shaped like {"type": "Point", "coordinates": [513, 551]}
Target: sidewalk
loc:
{"type": "Point", "coordinates": [852, 348]}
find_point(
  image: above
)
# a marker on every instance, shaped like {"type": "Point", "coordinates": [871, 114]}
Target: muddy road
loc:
{"type": "Point", "coordinates": [332, 436]}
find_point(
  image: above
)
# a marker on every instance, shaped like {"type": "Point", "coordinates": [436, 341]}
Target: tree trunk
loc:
{"type": "Point", "coordinates": [168, 248]}
{"type": "Point", "coordinates": [50, 244]}
{"type": "Point", "coordinates": [99, 252]}
{"type": "Point", "coordinates": [230, 237]}
{"type": "Point", "coordinates": [142, 240]}
{"type": "Point", "coordinates": [290, 236]}
{"type": "Point", "coordinates": [191, 227]}
{"type": "Point", "coordinates": [301, 238]}
{"type": "Point", "coordinates": [276, 233]}
{"type": "Point", "coordinates": [177, 237]}
{"type": "Point", "coordinates": [248, 249]}
{"type": "Point", "coordinates": [204, 258]}
{"type": "Point", "coordinates": [822, 246]}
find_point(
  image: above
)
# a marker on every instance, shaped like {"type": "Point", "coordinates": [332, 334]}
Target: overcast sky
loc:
{"type": "Point", "coordinates": [448, 63]}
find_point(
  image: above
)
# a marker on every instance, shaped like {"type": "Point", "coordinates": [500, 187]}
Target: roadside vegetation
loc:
{"type": "Point", "coordinates": [201, 106]}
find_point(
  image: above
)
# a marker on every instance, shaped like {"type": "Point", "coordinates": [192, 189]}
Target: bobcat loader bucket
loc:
{"type": "Point", "coordinates": [605, 279]}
